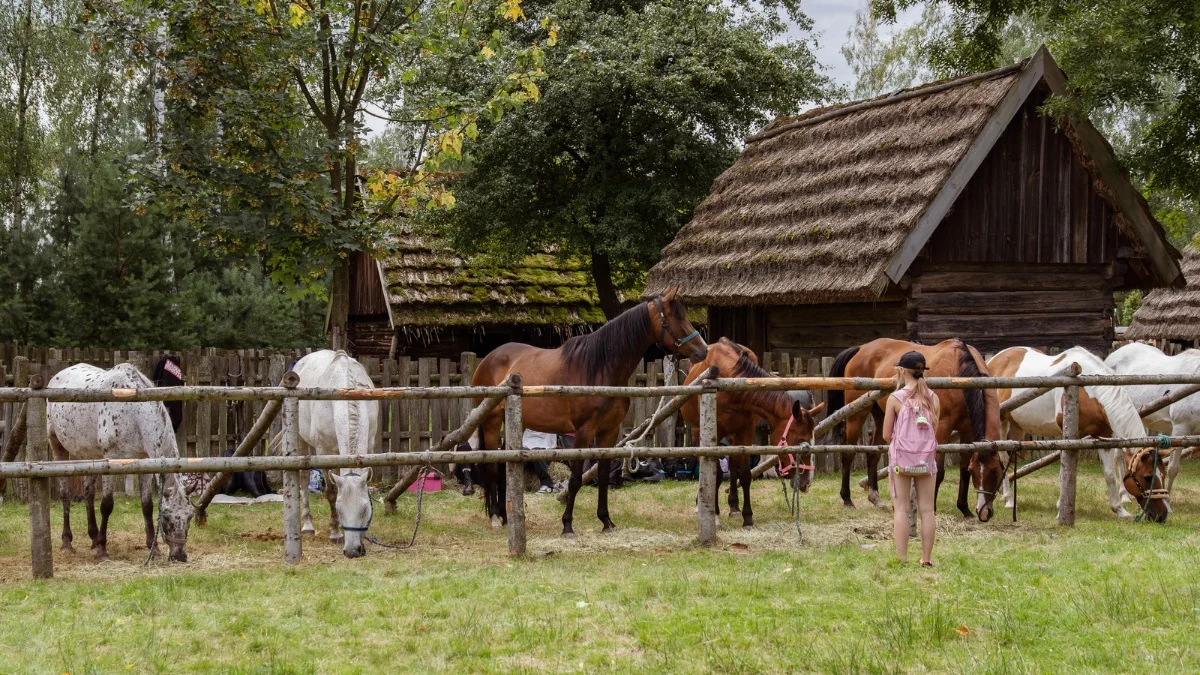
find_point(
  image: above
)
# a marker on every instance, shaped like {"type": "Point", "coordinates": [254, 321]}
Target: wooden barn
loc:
{"type": "Point", "coordinates": [954, 209]}
{"type": "Point", "coordinates": [1171, 315]}
{"type": "Point", "coordinates": [424, 299]}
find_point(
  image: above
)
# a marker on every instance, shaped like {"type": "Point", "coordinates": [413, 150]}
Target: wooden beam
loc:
{"type": "Point", "coordinates": [38, 450]}
{"type": "Point", "coordinates": [1036, 465]}
{"type": "Point", "coordinates": [706, 499]}
{"type": "Point", "coordinates": [1168, 399]}
{"type": "Point", "coordinates": [1070, 458]}
{"type": "Point", "coordinates": [291, 482]}
{"type": "Point", "coordinates": [515, 472]}
{"type": "Point", "coordinates": [1031, 75]}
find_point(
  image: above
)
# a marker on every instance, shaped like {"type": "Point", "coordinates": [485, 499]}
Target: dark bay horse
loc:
{"type": "Point", "coordinates": [974, 414]}
{"type": "Point", "coordinates": [739, 412]}
{"type": "Point", "coordinates": [606, 357]}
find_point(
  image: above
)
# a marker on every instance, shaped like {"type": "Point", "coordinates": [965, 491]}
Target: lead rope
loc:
{"type": "Point", "coordinates": [416, 525]}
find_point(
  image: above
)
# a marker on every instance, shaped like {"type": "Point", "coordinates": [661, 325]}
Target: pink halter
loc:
{"type": "Point", "coordinates": [787, 469]}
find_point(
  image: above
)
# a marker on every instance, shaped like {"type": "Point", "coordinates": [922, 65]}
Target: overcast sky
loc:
{"type": "Point", "coordinates": [832, 19]}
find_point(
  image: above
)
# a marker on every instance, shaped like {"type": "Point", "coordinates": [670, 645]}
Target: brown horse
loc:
{"type": "Point", "coordinates": [606, 357]}
{"type": "Point", "coordinates": [974, 414]}
{"type": "Point", "coordinates": [738, 412]}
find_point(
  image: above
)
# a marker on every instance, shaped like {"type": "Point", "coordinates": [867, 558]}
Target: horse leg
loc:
{"type": "Point", "coordinates": [734, 507]}
{"type": "Point", "coordinates": [964, 484]}
{"type": "Point", "coordinates": [853, 432]}
{"type": "Point", "coordinates": [573, 486]}
{"type": "Point", "coordinates": [302, 477]}
{"type": "Point", "coordinates": [1173, 466]}
{"type": "Point", "coordinates": [605, 440]}
{"type": "Point", "coordinates": [1108, 458]}
{"type": "Point", "coordinates": [335, 529]}
{"type": "Point", "coordinates": [59, 453]}
{"type": "Point", "coordinates": [146, 490]}
{"type": "Point", "coordinates": [873, 460]}
{"type": "Point", "coordinates": [106, 508]}
{"type": "Point", "coordinates": [941, 476]}
{"type": "Point", "coordinates": [89, 492]}
{"type": "Point", "coordinates": [744, 479]}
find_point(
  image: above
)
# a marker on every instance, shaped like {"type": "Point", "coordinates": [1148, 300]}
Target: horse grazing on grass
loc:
{"type": "Point", "coordinates": [738, 413]}
{"type": "Point", "coordinates": [339, 428]}
{"type": "Point", "coordinates": [973, 414]}
{"type": "Point", "coordinates": [606, 357]}
{"type": "Point", "coordinates": [1181, 418]}
{"type": "Point", "coordinates": [118, 431]}
{"type": "Point", "coordinates": [1104, 412]}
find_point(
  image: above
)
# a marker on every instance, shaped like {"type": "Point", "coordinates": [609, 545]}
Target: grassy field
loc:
{"type": "Point", "coordinates": [1104, 596]}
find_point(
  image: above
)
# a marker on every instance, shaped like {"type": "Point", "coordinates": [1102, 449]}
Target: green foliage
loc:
{"type": "Point", "coordinates": [1127, 305]}
{"type": "Point", "coordinates": [645, 103]}
{"type": "Point", "coordinates": [883, 65]}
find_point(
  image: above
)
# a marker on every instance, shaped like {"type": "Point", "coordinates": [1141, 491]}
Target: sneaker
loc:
{"type": "Point", "coordinates": [545, 490]}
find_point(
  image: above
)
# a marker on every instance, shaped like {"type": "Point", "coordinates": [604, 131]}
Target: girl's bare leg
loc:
{"type": "Point", "coordinates": [900, 488]}
{"type": "Point", "coordinates": [926, 491]}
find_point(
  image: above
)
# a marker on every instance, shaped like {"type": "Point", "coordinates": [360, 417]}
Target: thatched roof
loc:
{"type": "Point", "coordinates": [431, 286]}
{"type": "Point", "coordinates": [1169, 313]}
{"type": "Point", "coordinates": [834, 205]}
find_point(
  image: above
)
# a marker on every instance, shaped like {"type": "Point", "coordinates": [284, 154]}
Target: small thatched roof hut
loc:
{"type": "Point", "coordinates": [955, 209]}
{"type": "Point", "coordinates": [1171, 313]}
{"type": "Point", "coordinates": [424, 299]}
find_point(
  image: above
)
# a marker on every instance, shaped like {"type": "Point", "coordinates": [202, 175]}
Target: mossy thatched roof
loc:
{"type": "Point", "coordinates": [431, 285]}
{"type": "Point", "coordinates": [1171, 313]}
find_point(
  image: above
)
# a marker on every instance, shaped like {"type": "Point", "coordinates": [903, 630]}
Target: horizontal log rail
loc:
{"type": "Point", "coordinates": [825, 426]}
{"type": "Point", "coordinates": [214, 393]}
{"type": "Point", "coordinates": [53, 469]}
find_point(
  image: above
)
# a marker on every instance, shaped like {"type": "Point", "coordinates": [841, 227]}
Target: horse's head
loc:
{"type": "Point", "coordinates": [1144, 482]}
{"type": "Point", "coordinates": [176, 515]}
{"type": "Point", "coordinates": [987, 474]}
{"type": "Point", "coordinates": [798, 430]}
{"type": "Point", "coordinates": [354, 509]}
{"type": "Point", "coordinates": [672, 330]}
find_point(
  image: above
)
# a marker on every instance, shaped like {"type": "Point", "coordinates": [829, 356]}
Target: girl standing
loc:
{"type": "Point", "coordinates": [909, 427]}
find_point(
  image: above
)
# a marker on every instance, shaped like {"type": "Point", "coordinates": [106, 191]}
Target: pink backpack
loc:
{"type": "Point", "coordinates": [913, 451]}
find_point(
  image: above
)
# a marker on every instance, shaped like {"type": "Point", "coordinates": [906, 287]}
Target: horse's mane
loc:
{"type": "Point", "coordinates": [1120, 410]}
{"type": "Point", "coordinates": [975, 398]}
{"type": "Point", "coordinates": [746, 367]}
{"type": "Point", "coordinates": [601, 354]}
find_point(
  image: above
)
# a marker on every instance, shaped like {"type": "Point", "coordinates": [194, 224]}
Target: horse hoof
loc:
{"type": "Point", "coordinates": [609, 530]}
{"type": "Point", "coordinates": [1123, 514]}
{"type": "Point", "coordinates": [101, 557]}
{"type": "Point", "coordinates": [568, 535]}
{"type": "Point", "coordinates": [747, 526]}
{"type": "Point", "coordinates": [308, 529]}
{"type": "Point", "coordinates": [336, 540]}
{"type": "Point", "coordinates": [496, 521]}
{"type": "Point", "coordinates": [66, 548]}
{"type": "Point", "coordinates": [873, 497]}
{"type": "Point", "coordinates": [734, 513]}
{"type": "Point", "coordinates": [848, 505]}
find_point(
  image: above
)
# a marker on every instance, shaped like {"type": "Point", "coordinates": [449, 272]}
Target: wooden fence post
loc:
{"type": "Point", "coordinates": [706, 503]}
{"type": "Point", "coordinates": [1070, 458]}
{"type": "Point", "coordinates": [291, 479]}
{"type": "Point", "coordinates": [515, 475]}
{"type": "Point", "coordinates": [38, 450]}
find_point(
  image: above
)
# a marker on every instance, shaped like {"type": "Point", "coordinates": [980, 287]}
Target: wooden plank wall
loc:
{"type": "Point", "coordinates": [995, 305]}
{"type": "Point", "coordinates": [816, 331]}
{"type": "Point", "coordinates": [1031, 201]}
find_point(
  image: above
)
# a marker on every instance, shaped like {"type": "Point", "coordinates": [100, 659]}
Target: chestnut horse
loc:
{"type": "Point", "coordinates": [974, 414]}
{"type": "Point", "coordinates": [738, 412]}
{"type": "Point", "coordinates": [606, 357]}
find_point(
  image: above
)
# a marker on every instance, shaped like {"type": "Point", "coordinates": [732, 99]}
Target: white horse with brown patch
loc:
{"type": "Point", "coordinates": [1104, 412]}
{"type": "Point", "coordinates": [1181, 418]}
{"type": "Point", "coordinates": [339, 428]}
{"type": "Point", "coordinates": [118, 431]}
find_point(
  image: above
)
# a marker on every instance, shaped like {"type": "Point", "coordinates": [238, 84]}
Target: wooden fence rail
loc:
{"type": "Point", "coordinates": [38, 470]}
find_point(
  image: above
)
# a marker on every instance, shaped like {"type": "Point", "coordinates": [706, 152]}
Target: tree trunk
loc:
{"type": "Point", "coordinates": [339, 310]}
{"type": "Point", "coordinates": [610, 302]}
{"type": "Point", "coordinates": [22, 153]}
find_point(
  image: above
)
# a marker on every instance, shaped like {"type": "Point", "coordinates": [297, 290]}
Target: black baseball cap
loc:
{"type": "Point", "coordinates": [912, 361]}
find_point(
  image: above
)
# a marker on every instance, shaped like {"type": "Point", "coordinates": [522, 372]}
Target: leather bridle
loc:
{"type": "Point", "coordinates": [1144, 492]}
{"type": "Point", "coordinates": [665, 328]}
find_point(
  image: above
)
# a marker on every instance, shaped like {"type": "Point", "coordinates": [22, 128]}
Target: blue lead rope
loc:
{"type": "Point", "coordinates": [684, 341]}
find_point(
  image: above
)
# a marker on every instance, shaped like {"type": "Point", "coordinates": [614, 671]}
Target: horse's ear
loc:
{"type": "Point", "coordinates": [817, 409]}
{"type": "Point", "coordinates": [366, 475]}
{"type": "Point", "coordinates": [797, 410]}
{"type": "Point", "coordinates": [335, 477]}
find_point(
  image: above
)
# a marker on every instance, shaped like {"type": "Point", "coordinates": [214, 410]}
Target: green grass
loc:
{"type": "Point", "coordinates": [1030, 597]}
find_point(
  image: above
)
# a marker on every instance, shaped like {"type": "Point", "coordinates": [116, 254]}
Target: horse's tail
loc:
{"type": "Point", "coordinates": [835, 399]}
{"type": "Point", "coordinates": [976, 401]}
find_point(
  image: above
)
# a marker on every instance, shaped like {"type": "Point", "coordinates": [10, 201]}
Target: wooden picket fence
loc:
{"type": "Point", "coordinates": [211, 428]}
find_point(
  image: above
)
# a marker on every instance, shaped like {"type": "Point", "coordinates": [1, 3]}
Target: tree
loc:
{"type": "Point", "coordinates": [884, 65]}
{"type": "Point", "coordinates": [265, 103]}
{"type": "Point", "coordinates": [645, 103]}
{"type": "Point", "coordinates": [1126, 59]}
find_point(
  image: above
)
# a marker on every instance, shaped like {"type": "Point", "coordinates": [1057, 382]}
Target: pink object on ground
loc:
{"type": "Point", "coordinates": [433, 483]}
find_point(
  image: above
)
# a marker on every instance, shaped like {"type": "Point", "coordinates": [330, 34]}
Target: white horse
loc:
{"type": "Point", "coordinates": [339, 428]}
{"type": "Point", "coordinates": [1104, 412]}
{"type": "Point", "coordinates": [1181, 418]}
{"type": "Point", "coordinates": [118, 431]}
